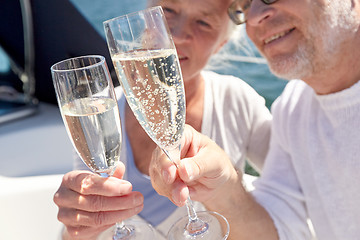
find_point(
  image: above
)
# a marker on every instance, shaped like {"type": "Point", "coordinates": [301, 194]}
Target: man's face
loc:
{"type": "Point", "coordinates": [300, 38]}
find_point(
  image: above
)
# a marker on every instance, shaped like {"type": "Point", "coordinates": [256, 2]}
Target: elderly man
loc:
{"type": "Point", "coordinates": [311, 171]}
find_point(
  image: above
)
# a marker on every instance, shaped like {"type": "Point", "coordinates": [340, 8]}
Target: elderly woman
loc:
{"type": "Point", "coordinates": [222, 107]}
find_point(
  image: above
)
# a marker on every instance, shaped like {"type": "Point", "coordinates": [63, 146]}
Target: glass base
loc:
{"type": "Point", "coordinates": [217, 228]}
{"type": "Point", "coordinates": [139, 230]}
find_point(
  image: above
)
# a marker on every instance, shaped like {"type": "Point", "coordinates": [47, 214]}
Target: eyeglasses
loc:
{"type": "Point", "coordinates": [239, 8]}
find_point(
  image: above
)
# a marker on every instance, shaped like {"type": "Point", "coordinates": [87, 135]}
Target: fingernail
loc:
{"type": "Point", "coordinates": [138, 200]}
{"type": "Point", "coordinates": [189, 171]}
{"type": "Point", "coordinates": [184, 192]}
{"type": "Point", "coordinates": [139, 208]}
{"type": "Point", "coordinates": [176, 197]}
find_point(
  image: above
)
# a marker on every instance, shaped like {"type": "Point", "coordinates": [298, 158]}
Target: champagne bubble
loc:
{"type": "Point", "coordinates": [157, 78]}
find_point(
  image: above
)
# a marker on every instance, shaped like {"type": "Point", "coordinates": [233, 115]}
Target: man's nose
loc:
{"type": "Point", "coordinates": [259, 12]}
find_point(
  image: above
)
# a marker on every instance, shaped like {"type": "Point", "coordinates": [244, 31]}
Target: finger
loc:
{"type": "Point", "coordinates": [200, 192]}
{"type": "Point", "coordinates": [179, 193]}
{"type": "Point", "coordinates": [119, 171]}
{"type": "Point", "coordinates": [95, 203]}
{"type": "Point", "coordinates": [162, 172]}
{"type": "Point", "coordinates": [83, 232]}
{"type": "Point", "coordinates": [168, 172]}
{"type": "Point", "coordinates": [88, 183]}
{"type": "Point", "coordinates": [190, 142]}
{"type": "Point", "coordinates": [209, 163]}
{"type": "Point", "coordinates": [71, 217]}
{"type": "Point", "coordinates": [189, 170]}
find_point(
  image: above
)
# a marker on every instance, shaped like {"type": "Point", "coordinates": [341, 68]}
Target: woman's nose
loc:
{"type": "Point", "coordinates": [181, 31]}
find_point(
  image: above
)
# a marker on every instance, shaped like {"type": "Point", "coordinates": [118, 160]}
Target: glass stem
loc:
{"type": "Point", "coordinates": [191, 211]}
{"type": "Point", "coordinates": [122, 232]}
{"type": "Point", "coordinates": [195, 226]}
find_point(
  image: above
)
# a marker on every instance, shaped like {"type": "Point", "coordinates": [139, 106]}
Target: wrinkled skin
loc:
{"type": "Point", "coordinates": [200, 177]}
{"type": "Point", "coordinates": [89, 204]}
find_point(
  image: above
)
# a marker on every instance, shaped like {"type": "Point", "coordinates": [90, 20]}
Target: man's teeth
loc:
{"type": "Point", "coordinates": [274, 37]}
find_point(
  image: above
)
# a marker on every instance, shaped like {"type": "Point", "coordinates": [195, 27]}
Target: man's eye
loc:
{"type": "Point", "coordinates": [247, 5]}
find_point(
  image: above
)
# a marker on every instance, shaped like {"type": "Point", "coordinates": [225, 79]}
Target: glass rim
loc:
{"type": "Point", "coordinates": [102, 61]}
{"type": "Point", "coordinates": [131, 14]}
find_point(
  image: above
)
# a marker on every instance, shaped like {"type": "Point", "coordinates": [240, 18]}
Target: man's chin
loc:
{"type": "Point", "coordinates": [290, 68]}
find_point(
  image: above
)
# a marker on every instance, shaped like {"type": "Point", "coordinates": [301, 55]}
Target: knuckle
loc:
{"type": "Point", "coordinates": [62, 215]}
{"type": "Point", "coordinates": [99, 219]}
{"type": "Point", "coordinates": [56, 198]}
{"type": "Point", "coordinates": [59, 196]}
{"type": "Point", "coordinates": [68, 179]}
{"type": "Point", "coordinates": [87, 183]}
{"type": "Point", "coordinates": [96, 203]}
{"type": "Point", "coordinates": [71, 217]}
{"type": "Point", "coordinates": [74, 232]}
{"type": "Point", "coordinates": [153, 173]}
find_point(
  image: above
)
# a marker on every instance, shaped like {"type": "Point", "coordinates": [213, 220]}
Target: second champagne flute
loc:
{"type": "Point", "coordinates": [147, 65]}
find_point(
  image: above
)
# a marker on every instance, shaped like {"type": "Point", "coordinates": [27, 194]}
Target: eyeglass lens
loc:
{"type": "Point", "coordinates": [239, 8]}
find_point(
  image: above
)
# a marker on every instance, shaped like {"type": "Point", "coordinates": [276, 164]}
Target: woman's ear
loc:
{"type": "Point", "coordinates": [220, 46]}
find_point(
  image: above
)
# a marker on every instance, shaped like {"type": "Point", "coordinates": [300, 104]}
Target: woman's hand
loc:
{"type": "Point", "coordinates": [89, 204]}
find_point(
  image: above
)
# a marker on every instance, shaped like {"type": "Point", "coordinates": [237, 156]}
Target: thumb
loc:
{"type": "Point", "coordinates": [189, 169]}
{"type": "Point", "coordinates": [119, 171]}
{"type": "Point", "coordinates": [209, 162]}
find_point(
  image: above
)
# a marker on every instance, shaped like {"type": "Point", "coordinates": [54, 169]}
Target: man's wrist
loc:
{"type": "Point", "coordinates": [229, 195]}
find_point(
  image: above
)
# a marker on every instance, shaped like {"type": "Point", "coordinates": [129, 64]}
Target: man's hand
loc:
{"type": "Point", "coordinates": [207, 175]}
{"type": "Point", "coordinates": [203, 172]}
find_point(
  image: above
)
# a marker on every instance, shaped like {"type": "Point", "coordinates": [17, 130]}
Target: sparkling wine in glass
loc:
{"type": "Point", "coordinates": [88, 106]}
{"type": "Point", "coordinates": [147, 66]}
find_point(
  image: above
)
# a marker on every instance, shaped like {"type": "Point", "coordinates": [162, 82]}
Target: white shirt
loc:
{"type": "Point", "coordinates": [236, 118]}
{"type": "Point", "coordinates": [312, 169]}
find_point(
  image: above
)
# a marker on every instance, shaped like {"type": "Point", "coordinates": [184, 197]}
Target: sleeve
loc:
{"type": "Point", "coordinates": [242, 120]}
{"type": "Point", "coordinates": [278, 189]}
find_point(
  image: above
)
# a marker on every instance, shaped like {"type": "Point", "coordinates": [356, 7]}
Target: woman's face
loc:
{"type": "Point", "coordinates": [199, 29]}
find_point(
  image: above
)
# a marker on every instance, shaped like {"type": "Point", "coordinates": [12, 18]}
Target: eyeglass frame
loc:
{"type": "Point", "coordinates": [234, 13]}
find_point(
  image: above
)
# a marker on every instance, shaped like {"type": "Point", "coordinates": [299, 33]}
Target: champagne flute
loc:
{"type": "Point", "coordinates": [88, 106]}
{"type": "Point", "coordinates": [147, 65]}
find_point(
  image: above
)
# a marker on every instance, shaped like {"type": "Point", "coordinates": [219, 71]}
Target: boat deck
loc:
{"type": "Point", "coordinates": [35, 153]}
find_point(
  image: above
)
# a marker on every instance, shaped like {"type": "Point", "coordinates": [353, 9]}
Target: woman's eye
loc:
{"type": "Point", "coordinates": [168, 10]}
{"type": "Point", "coordinates": [203, 23]}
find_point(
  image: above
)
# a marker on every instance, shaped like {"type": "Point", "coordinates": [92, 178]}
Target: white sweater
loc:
{"type": "Point", "coordinates": [312, 169]}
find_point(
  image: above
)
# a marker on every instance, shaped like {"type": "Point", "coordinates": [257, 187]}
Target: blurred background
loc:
{"type": "Point", "coordinates": [34, 149]}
